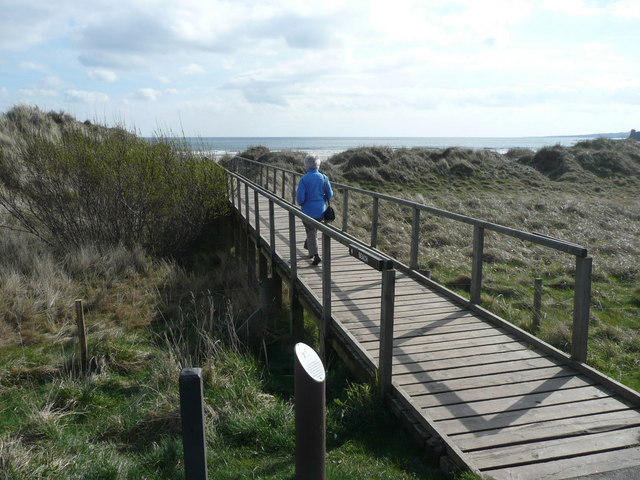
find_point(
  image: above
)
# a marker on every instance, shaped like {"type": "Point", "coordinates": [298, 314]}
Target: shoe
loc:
{"type": "Point", "coordinates": [305, 245]}
{"type": "Point", "coordinates": [316, 260]}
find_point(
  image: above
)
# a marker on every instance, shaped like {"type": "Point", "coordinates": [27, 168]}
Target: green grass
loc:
{"type": "Point", "coordinates": [122, 421]}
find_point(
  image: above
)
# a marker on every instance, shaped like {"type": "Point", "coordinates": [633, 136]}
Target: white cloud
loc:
{"type": "Point", "coordinates": [34, 66]}
{"type": "Point", "coordinates": [55, 82]}
{"type": "Point", "coordinates": [629, 9]}
{"type": "Point", "coordinates": [102, 75]}
{"type": "Point", "coordinates": [147, 94]}
{"type": "Point", "coordinates": [193, 69]}
{"type": "Point", "coordinates": [38, 92]}
{"type": "Point", "coordinates": [83, 96]}
{"type": "Point", "coordinates": [4, 92]}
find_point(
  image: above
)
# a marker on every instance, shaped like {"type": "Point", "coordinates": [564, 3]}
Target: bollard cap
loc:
{"type": "Point", "coordinates": [310, 361]}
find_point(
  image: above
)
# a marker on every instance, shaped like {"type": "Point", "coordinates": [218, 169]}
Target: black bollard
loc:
{"type": "Point", "coordinates": [192, 415]}
{"type": "Point", "coordinates": [310, 388]}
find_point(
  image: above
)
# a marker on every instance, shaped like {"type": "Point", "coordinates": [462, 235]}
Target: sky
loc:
{"type": "Point", "coordinates": [404, 68]}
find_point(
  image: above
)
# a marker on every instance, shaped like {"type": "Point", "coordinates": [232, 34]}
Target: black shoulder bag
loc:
{"type": "Point", "coordinates": [329, 214]}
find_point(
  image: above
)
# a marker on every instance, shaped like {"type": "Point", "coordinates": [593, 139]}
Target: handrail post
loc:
{"type": "Point", "coordinates": [386, 330]}
{"type": "Point", "coordinates": [275, 276]}
{"type": "Point", "coordinates": [581, 304]}
{"type": "Point", "coordinates": [275, 180]}
{"type": "Point", "coordinates": [374, 223]}
{"type": "Point", "coordinates": [272, 234]}
{"type": "Point", "coordinates": [246, 204]}
{"type": "Point", "coordinates": [284, 182]}
{"type": "Point", "coordinates": [238, 196]}
{"type": "Point", "coordinates": [293, 258]}
{"type": "Point", "coordinates": [415, 239]}
{"type": "Point", "coordinates": [297, 313]}
{"type": "Point", "coordinates": [261, 168]}
{"type": "Point", "coordinates": [326, 294]}
{"type": "Point", "coordinates": [295, 188]}
{"type": "Point", "coordinates": [537, 304]}
{"type": "Point", "coordinates": [345, 210]}
{"type": "Point", "coordinates": [256, 211]}
{"type": "Point", "coordinates": [476, 267]}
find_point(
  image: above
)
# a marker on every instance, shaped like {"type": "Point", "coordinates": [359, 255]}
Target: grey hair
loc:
{"type": "Point", "coordinates": [311, 162]}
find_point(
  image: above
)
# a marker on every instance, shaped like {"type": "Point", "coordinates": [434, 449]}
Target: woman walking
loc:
{"type": "Point", "coordinates": [314, 191]}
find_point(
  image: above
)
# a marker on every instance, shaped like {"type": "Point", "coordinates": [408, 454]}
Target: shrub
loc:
{"type": "Point", "coordinates": [107, 186]}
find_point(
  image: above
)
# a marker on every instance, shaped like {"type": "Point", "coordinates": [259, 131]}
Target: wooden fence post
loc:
{"type": "Point", "coordinates": [294, 181]}
{"type": "Point", "coordinates": [297, 312]}
{"type": "Point", "coordinates": [192, 418]}
{"type": "Point", "coordinates": [82, 335]}
{"type": "Point", "coordinates": [374, 222]}
{"type": "Point", "coordinates": [581, 306]}
{"type": "Point", "coordinates": [537, 304]}
{"type": "Point", "coordinates": [246, 205]}
{"type": "Point", "coordinates": [345, 210]}
{"type": "Point", "coordinates": [476, 267]}
{"type": "Point", "coordinates": [326, 294]}
{"type": "Point", "coordinates": [238, 195]}
{"type": "Point", "coordinates": [415, 239]}
{"type": "Point", "coordinates": [272, 234]}
{"type": "Point", "coordinates": [275, 180]}
{"type": "Point", "coordinates": [275, 276]}
{"type": "Point", "coordinates": [256, 211]}
{"type": "Point", "coordinates": [386, 330]}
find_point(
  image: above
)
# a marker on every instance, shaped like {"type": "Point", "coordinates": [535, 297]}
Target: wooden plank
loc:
{"type": "Point", "coordinates": [413, 329]}
{"type": "Point", "coordinates": [406, 315]}
{"type": "Point", "coordinates": [415, 338]}
{"type": "Point", "coordinates": [450, 346]}
{"type": "Point", "coordinates": [500, 391]}
{"type": "Point", "coordinates": [449, 363]}
{"type": "Point", "coordinates": [495, 379]}
{"type": "Point", "coordinates": [464, 354]}
{"type": "Point", "coordinates": [410, 306]}
{"type": "Point", "coordinates": [573, 467]}
{"type": "Point", "coordinates": [601, 422]}
{"type": "Point", "coordinates": [518, 366]}
{"type": "Point", "coordinates": [505, 404]}
{"type": "Point", "coordinates": [407, 321]}
{"type": "Point", "coordinates": [554, 449]}
{"type": "Point", "coordinates": [540, 414]}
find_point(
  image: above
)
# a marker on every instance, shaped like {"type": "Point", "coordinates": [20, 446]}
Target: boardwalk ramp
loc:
{"type": "Point", "coordinates": [499, 401]}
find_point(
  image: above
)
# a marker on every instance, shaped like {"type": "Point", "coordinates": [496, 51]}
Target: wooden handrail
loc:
{"type": "Point", "coordinates": [582, 291]}
{"type": "Point", "coordinates": [382, 263]}
{"type": "Point", "coordinates": [537, 238]}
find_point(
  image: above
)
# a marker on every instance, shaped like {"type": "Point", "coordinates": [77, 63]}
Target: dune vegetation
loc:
{"type": "Point", "coordinates": [585, 194]}
{"type": "Point", "coordinates": [139, 231]}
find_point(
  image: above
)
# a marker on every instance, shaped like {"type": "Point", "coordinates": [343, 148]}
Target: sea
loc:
{"type": "Point", "coordinates": [325, 147]}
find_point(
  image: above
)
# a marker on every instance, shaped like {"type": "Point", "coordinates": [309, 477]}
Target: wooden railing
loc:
{"type": "Point", "coordinates": [357, 249]}
{"type": "Point", "coordinates": [267, 176]}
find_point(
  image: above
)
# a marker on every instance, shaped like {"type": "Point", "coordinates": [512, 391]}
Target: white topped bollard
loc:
{"type": "Point", "coordinates": [310, 391]}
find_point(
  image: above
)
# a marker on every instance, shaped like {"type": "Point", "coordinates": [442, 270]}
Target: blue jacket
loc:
{"type": "Point", "coordinates": [313, 193]}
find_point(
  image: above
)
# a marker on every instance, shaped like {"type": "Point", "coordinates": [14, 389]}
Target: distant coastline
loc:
{"type": "Point", "coordinates": [325, 147]}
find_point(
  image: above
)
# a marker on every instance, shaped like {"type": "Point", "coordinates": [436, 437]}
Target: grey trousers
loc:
{"type": "Point", "coordinates": [312, 237]}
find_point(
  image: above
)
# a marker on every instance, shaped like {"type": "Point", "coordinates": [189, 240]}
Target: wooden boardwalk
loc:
{"type": "Point", "coordinates": [503, 407]}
